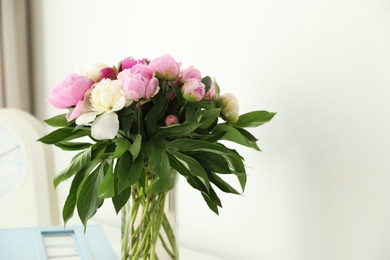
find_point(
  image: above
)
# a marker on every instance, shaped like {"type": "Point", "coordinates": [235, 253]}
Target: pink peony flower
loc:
{"type": "Point", "coordinates": [82, 105]}
{"type": "Point", "coordinates": [212, 93]}
{"type": "Point", "coordinates": [128, 63]}
{"type": "Point", "coordinates": [229, 107]}
{"type": "Point", "coordinates": [138, 82]}
{"type": "Point", "coordinates": [193, 90]}
{"type": "Point", "coordinates": [165, 67]}
{"type": "Point", "coordinates": [70, 91]}
{"type": "Point", "coordinates": [171, 120]}
{"type": "Point", "coordinates": [190, 72]}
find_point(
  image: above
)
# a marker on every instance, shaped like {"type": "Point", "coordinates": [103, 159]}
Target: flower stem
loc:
{"type": "Point", "coordinates": [171, 236]}
{"type": "Point", "coordinates": [125, 233]}
{"type": "Point", "coordinates": [180, 113]}
{"type": "Point", "coordinates": [164, 244]}
{"type": "Point", "coordinates": [160, 215]}
{"type": "Point", "coordinates": [141, 245]}
{"type": "Point", "coordinates": [144, 227]}
{"type": "Point", "coordinates": [139, 116]}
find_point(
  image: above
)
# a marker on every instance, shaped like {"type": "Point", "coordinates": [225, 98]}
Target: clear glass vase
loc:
{"type": "Point", "coordinates": [149, 226]}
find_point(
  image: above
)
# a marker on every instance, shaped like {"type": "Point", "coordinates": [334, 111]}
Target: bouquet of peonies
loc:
{"type": "Point", "coordinates": [146, 121]}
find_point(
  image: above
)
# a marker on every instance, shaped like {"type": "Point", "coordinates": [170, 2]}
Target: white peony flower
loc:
{"type": "Point", "coordinates": [106, 98]}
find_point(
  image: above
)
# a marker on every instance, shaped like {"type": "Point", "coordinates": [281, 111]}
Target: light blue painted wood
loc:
{"type": "Point", "coordinates": [28, 243]}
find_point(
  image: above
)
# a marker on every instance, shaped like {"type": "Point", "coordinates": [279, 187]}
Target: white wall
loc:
{"type": "Point", "coordinates": [320, 188]}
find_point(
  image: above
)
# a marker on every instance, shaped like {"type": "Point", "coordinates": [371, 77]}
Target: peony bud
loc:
{"type": "Point", "coordinates": [107, 73]}
{"type": "Point", "coordinates": [101, 71]}
{"type": "Point", "coordinates": [193, 90]}
{"type": "Point", "coordinates": [229, 107]}
{"type": "Point", "coordinates": [170, 95]}
{"type": "Point", "coordinates": [212, 93]}
{"type": "Point", "coordinates": [171, 120]}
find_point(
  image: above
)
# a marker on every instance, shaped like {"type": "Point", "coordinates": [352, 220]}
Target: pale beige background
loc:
{"type": "Point", "coordinates": [321, 187]}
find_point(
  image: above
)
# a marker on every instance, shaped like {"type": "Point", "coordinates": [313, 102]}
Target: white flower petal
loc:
{"type": "Point", "coordinates": [105, 99]}
{"type": "Point", "coordinates": [128, 102]}
{"type": "Point", "coordinates": [93, 73]}
{"type": "Point", "coordinates": [119, 104]}
{"type": "Point", "coordinates": [87, 118]}
{"type": "Point", "coordinates": [105, 126]}
{"type": "Point", "coordinates": [106, 96]}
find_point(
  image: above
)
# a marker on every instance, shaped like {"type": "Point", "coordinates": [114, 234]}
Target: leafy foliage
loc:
{"type": "Point", "coordinates": [146, 152]}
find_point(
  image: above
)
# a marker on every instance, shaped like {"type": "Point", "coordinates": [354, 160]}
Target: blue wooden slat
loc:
{"type": "Point", "coordinates": [28, 243]}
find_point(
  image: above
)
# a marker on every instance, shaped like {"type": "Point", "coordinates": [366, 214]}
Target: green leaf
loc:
{"type": "Point", "coordinates": [57, 121]}
{"type": "Point", "coordinates": [236, 162]}
{"type": "Point", "coordinates": [183, 170]}
{"type": "Point", "coordinates": [127, 110]}
{"type": "Point", "coordinates": [232, 157]}
{"type": "Point", "coordinates": [100, 148]}
{"type": "Point", "coordinates": [213, 137]}
{"type": "Point", "coordinates": [235, 135]}
{"type": "Point", "coordinates": [210, 203]}
{"type": "Point", "coordinates": [204, 104]}
{"type": "Point", "coordinates": [106, 188]}
{"type": "Point", "coordinates": [194, 168]}
{"type": "Point", "coordinates": [108, 152]}
{"type": "Point", "coordinates": [120, 199]}
{"type": "Point", "coordinates": [70, 202]}
{"type": "Point", "coordinates": [186, 144]}
{"type": "Point", "coordinates": [129, 172]}
{"type": "Point", "coordinates": [221, 184]}
{"type": "Point", "coordinates": [207, 83]}
{"type": "Point", "coordinates": [156, 141]}
{"type": "Point", "coordinates": [123, 166]}
{"type": "Point", "coordinates": [250, 138]}
{"type": "Point", "coordinates": [254, 119]}
{"type": "Point", "coordinates": [212, 161]}
{"type": "Point", "coordinates": [122, 145]}
{"type": "Point", "coordinates": [214, 197]}
{"type": "Point", "coordinates": [135, 148]}
{"type": "Point", "coordinates": [208, 117]}
{"type": "Point", "coordinates": [184, 129]}
{"type": "Point", "coordinates": [159, 165]}
{"type": "Point", "coordinates": [151, 121]}
{"type": "Point", "coordinates": [191, 113]}
{"type": "Point", "coordinates": [194, 181]}
{"type": "Point", "coordinates": [72, 146]}
{"type": "Point", "coordinates": [87, 195]}
{"type": "Point", "coordinates": [179, 95]}
{"type": "Point", "coordinates": [100, 203]}
{"type": "Point", "coordinates": [192, 145]}
{"type": "Point", "coordinates": [126, 116]}
{"type": "Point", "coordinates": [79, 161]}
{"type": "Point", "coordinates": [63, 134]}
{"type": "Point", "coordinates": [160, 103]}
